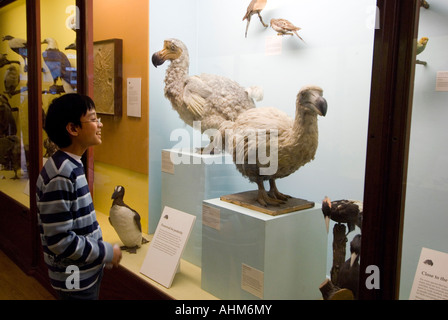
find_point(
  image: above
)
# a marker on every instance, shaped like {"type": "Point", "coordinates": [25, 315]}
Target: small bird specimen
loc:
{"type": "Point", "coordinates": [10, 154]}
{"type": "Point", "coordinates": [255, 7]}
{"type": "Point", "coordinates": [343, 211]}
{"type": "Point", "coordinates": [284, 27]}
{"type": "Point", "coordinates": [7, 123]}
{"type": "Point", "coordinates": [424, 4]}
{"type": "Point", "coordinates": [18, 46]}
{"type": "Point", "coordinates": [421, 46]}
{"type": "Point", "coordinates": [349, 273]}
{"type": "Point", "coordinates": [11, 80]}
{"type": "Point", "coordinates": [58, 64]}
{"type": "Point", "coordinates": [4, 60]}
{"type": "Point", "coordinates": [296, 145]}
{"type": "Point", "coordinates": [208, 98]}
{"type": "Point", "coordinates": [126, 222]}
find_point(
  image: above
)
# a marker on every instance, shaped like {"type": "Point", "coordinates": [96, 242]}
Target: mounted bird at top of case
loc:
{"type": "Point", "coordinates": [209, 98]}
{"type": "Point", "coordinates": [126, 222]}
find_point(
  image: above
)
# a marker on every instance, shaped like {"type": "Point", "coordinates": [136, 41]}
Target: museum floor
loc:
{"type": "Point", "coordinates": [16, 285]}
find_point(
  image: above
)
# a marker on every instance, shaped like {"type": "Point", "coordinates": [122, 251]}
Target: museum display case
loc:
{"type": "Point", "coordinates": [326, 92]}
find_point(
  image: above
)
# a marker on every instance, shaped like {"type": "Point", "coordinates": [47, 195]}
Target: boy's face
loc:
{"type": "Point", "coordinates": [90, 130]}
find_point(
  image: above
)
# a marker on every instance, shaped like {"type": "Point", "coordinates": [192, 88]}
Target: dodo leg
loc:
{"type": "Point", "coordinates": [263, 198]}
{"type": "Point", "coordinates": [274, 193]}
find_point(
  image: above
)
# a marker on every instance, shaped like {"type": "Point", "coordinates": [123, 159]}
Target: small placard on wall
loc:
{"type": "Point", "coordinates": [273, 46]}
{"type": "Point", "coordinates": [442, 81]}
{"type": "Point", "coordinates": [134, 97]}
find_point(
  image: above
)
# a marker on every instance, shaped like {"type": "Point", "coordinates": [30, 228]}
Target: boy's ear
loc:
{"type": "Point", "coordinates": [72, 129]}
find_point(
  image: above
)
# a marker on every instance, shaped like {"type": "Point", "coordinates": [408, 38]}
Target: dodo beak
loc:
{"type": "Point", "coordinates": [158, 58]}
{"type": "Point", "coordinates": [321, 106]}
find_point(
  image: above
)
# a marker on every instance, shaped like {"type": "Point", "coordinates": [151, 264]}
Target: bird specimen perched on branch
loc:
{"type": "Point", "coordinates": [7, 123]}
{"type": "Point", "coordinates": [421, 46]}
{"type": "Point", "coordinates": [295, 144]}
{"type": "Point", "coordinates": [4, 60]}
{"type": "Point", "coordinates": [284, 27]}
{"type": "Point", "coordinates": [255, 7]}
{"type": "Point", "coordinates": [18, 46]}
{"type": "Point", "coordinates": [11, 80]}
{"type": "Point", "coordinates": [209, 98]}
{"type": "Point", "coordinates": [59, 66]}
{"type": "Point", "coordinates": [343, 211]}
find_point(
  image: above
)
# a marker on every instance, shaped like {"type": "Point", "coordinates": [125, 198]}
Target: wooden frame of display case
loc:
{"type": "Point", "coordinates": [386, 160]}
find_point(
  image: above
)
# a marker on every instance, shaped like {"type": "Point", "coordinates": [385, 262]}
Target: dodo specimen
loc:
{"type": "Point", "coordinates": [294, 146]}
{"type": "Point", "coordinates": [208, 98]}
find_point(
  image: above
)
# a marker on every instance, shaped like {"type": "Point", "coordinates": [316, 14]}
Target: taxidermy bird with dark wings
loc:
{"type": "Point", "coordinates": [209, 98]}
{"type": "Point", "coordinates": [59, 66]}
{"type": "Point", "coordinates": [295, 146]}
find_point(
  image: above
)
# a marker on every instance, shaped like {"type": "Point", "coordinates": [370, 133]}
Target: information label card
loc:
{"type": "Point", "coordinates": [165, 250]}
{"type": "Point", "coordinates": [431, 277]}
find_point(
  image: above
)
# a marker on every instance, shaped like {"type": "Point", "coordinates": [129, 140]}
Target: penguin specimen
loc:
{"type": "Point", "coordinates": [126, 222]}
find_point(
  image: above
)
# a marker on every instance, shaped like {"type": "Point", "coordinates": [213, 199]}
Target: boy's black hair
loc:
{"type": "Point", "coordinates": [63, 110]}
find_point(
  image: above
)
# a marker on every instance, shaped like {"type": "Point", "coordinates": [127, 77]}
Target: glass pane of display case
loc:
{"type": "Point", "coordinates": [424, 262]}
{"type": "Point", "coordinates": [14, 140]}
{"type": "Point", "coordinates": [59, 75]}
{"type": "Point", "coordinates": [277, 48]}
{"type": "Point", "coordinates": [120, 82]}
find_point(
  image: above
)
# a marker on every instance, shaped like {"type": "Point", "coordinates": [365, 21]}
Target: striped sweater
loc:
{"type": "Point", "coordinates": [70, 234]}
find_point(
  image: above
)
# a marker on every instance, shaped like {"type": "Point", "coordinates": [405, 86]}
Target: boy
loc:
{"type": "Point", "coordinates": [74, 250]}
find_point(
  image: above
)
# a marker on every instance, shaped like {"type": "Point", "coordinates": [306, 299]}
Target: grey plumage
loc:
{"type": "Point", "coordinates": [349, 273]}
{"type": "Point", "coordinates": [208, 98]}
{"type": "Point", "coordinates": [126, 222]}
{"type": "Point", "coordinates": [297, 141]}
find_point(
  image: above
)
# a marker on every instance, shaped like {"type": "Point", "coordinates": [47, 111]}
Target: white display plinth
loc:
{"type": "Point", "coordinates": [185, 185]}
{"type": "Point", "coordinates": [289, 252]}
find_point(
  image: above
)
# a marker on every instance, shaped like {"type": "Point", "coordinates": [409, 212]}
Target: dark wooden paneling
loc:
{"type": "Point", "coordinates": [122, 284]}
{"type": "Point", "coordinates": [387, 147]}
{"type": "Point", "coordinates": [15, 232]}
